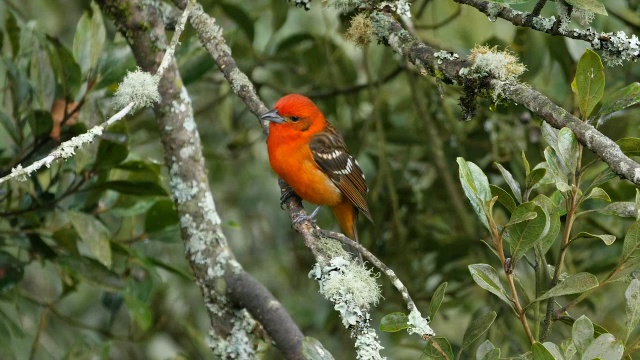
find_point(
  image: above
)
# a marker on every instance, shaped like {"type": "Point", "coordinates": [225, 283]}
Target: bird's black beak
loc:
{"type": "Point", "coordinates": [272, 116]}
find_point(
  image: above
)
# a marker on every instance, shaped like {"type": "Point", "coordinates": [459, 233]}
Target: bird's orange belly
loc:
{"type": "Point", "coordinates": [310, 183]}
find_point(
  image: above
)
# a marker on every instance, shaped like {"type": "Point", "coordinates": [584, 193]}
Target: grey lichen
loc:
{"type": "Point", "coordinates": [138, 87]}
{"type": "Point", "coordinates": [360, 30]}
{"type": "Point", "coordinates": [368, 346]}
{"type": "Point", "coordinates": [238, 345]}
{"type": "Point", "coordinates": [503, 66]}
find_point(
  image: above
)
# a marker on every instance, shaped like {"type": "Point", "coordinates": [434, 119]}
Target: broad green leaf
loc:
{"type": "Point", "coordinates": [89, 39]}
{"type": "Point", "coordinates": [589, 80]}
{"type": "Point", "coordinates": [487, 278]}
{"type": "Point", "coordinates": [521, 214]}
{"type": "Point", "coordinates": [549, 208]}
{"type": "Point", "coordinates": [607, 239]}
{"type": "Point", "coordinates": [161, 215]}
{"type": "Point", "coordinates": [513, 184]}
{"type": "Point", "coordinates": [42, 78]}
{"type": "Point", "coordinates": [550, 135]}
{"type": "Point", "coordinates": [576, 283]}
{"type": "Point", "coordinates": [622, 209]}
{"type": "Point", "coordinates": [93, 272]}
{"type": "Point", "coordinates": [278, 15]}
{"type": "Point", "coordinates": [431, 353]}
{"type": "Point", "coordinates": [485, 351]}
{"type": "Point", "coordinates": [606, 175]}
{"type": "Point", "coordinates": [554, 350]}
{"type": "Point", "coordinates": [598, 193]}
{"type": "Point", "coordinates": [40, 123]}
{"type": "Point", "coordinates": [476, 187]}
{"type": "Point", "coordinates": [11, 270]}
{"type": "Point", "coordinates": [557, 169]}
{"type": "Point", "coordinates": [632, 297]}
{"type": "Point", "coordinates": [93, 234]}
{"type": "Point", "coordinates": [477, 327]}
{"type": "Point", "coordinates": [568, 149]}
{"type": "Point", "coordinates": [594, 6]}
{"type": "Point", "coordinates": [436, 299]}
{"type": "Point", "coordinates": [631, 245]}
{"type": "Point", "coordinates": [621, 99]}
{"type": "Point", "coordinates": [540, 352]}
{"type": "Point", "coordinates": [139, 207]}
{"type": "Point", "coordinates": [68, 72]}
{"type": "Point", "coordinates": [523, 235]}
{"type": "Point", "coordinates": [312, 349]}
{"type": "Point", "coordinates": [582, 333]}
{"type": "Point", "coordinates": [394, 322]}
{"type": "Point", "coordinates": [568, 348]}
{"type": "Point", "coordinates": [140, 312]}
{"type": "Point", "coordinates": [534, 177]}
{"type": "Point", "coordinates": [604, 347]}
{"type": "Point", "coordinates": [630, 146]}
{"type": "Point", "coordinates": [503, 197]}
{"type": "Point", "coordinates": [111, 153]}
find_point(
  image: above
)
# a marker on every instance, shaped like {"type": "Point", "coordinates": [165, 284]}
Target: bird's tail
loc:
{"type": "Point", "coordinates": [347, 215]}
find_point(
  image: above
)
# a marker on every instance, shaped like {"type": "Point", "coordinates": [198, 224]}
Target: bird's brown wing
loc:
{"type": "Point", "coordinates": [330, 153]}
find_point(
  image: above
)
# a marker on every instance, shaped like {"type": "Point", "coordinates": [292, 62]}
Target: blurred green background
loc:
{"type": "Point", "coordinates": [404, 128]}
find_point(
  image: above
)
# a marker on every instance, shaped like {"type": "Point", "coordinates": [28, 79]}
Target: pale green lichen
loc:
{"type": "Point", "coordinates": [138, 87]}
{"type": "Point", "coordinates": [360, 30]}
{"type": "Point", "coordinates": [368, 345]}
{"type": "Point", "coordinates": [239, 343]}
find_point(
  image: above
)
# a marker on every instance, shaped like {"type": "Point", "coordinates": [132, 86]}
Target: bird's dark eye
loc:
{"type": "Point", "coordinates": [295, 118]}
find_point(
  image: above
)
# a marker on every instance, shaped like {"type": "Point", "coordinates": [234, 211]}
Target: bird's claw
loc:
{"type": "Point", "coordinates": [286, 194]}
{"type": "Point", "coordinates": [311, 217]}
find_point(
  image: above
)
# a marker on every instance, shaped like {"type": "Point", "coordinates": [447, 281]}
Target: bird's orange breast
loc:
{"type": "Point", "coordinates": [294, 164]}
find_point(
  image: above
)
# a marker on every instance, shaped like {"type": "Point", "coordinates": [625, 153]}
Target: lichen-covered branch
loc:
{"type": "Point", "coordinates": [449, 68]}
{"type": "Point", "coordinates": [616, 47]}
{"type": "Point", "coordinates": [224, 283]}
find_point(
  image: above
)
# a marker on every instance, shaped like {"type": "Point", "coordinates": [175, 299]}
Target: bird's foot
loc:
{"type": "Point", "coordinates": [287, 192]}
{"type": "Point", "coordinates": [311, 217]}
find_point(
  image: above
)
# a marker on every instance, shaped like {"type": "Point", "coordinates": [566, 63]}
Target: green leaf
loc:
{"type": "Point", "coordinates": [89, 39]}
{"type": "Point", "coordinates": [513, 184]}
{"type": "Point", "coordinates": [589, 80]}
{"type": "Point", "coordinates": [594, 6]}
{"type": "Point", "coordinates": [11, 270]}
{"type": "Point", "coordinates": [487, 278]}
{"type": "Point", "coordinates": [40, 123]}
{"type": "Point", "coordinates": [606, 175]}
{"type": "Point", "coordinates": [431, 353]}
{"type": "Point", "coordinates": [486, 351]}
{"type": "Point", "coordinates": [604, 347]}
{"type": "Point", "coordinates": [568, 149]}
{"type": "Point", "coordinates": [93, 272]}
{"type": "Point", "coordinates": [278, 15]}
{"type": "Point", "coordinates": [93, 234]}
{"type": "Point", "coordinates": [42, 78]}
{"type": "Point", "coordinates": [621, 99]}
{"type": "Point", "coordinates": [436, 299]}
{"type": "Point", "coordinates": [111, 153]}
{"type": "Point", "coordinates": [522, 214]}
{"type": "Point", "coordinates": [632, 297]}
{"type": "Point", "coordinates": [476, 187]}
{"type": "Point", "coordinates": [524, 234]}
{"type": "Point", "coordinates": [621, 208]}
{"type": "Point", "coordinates": [139, 207]}
{"type": "Point", "coordinates": [630, 146]}
{"type": "Point", "coordinates": [582, 333]}
{"type": "Point", "coordinates": [161, 215]}
{"type": "Point", "coordinates": [557, 169]}
{"type": "Point", "coordinates": [503, 197]}
{"type": "Point", "coordinates": [394, 322]}
{"type": "Point", "coordinates": [607, 239]}
{"type": "Point", "coordinates": [138, 188]}
{"type": "Point", "coordinates": [477, 327]}
{"type": "Point", "coordinates": [525, 163]}
{"type": "Point", "coordinates": [551, 210]}
{"type": "Point", "coordinates": [540, 352]}
{"type": "Point", "coordinates": [598, 193]}
{"type": "Point", "coordinates": [554, 350]}
{"type": "Point", "coordinates": [631, 245]}
{"type": "Point", "coordinates": [241, 18]}
{"type": "Point", "coordinates": [576, 283]}
{"type": "Point", "coordinates": [140, 312]}
{"type": "Point", "coordinates": [534, 177]}
{"type": "Point", "coordinates": [312, 349]}
{"type": "Point", "coordinates": [550, 135]}
{"type": "Point", "coordinates": [68, 72]}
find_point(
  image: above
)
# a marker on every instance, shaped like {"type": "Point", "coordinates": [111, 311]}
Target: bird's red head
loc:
{"type": "Point", "coordinates": [295, 113]}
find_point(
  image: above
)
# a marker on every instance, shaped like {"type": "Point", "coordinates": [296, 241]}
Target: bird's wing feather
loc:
{"type": "Point", "coordinates": [330, 153]}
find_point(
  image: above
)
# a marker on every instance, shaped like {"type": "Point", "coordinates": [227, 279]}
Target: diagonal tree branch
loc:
{"type": "Point", "coordinates": [449, 68]}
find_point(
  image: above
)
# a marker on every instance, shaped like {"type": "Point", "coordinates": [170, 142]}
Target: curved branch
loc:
{"type": "Point", "coordinates": [447, 68]}
{"type": "Point", "coordinates": [616, 47]}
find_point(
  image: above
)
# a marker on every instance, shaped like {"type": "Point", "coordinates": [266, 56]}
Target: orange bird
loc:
{"type": "Point", "coordinates": [311, 156]}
